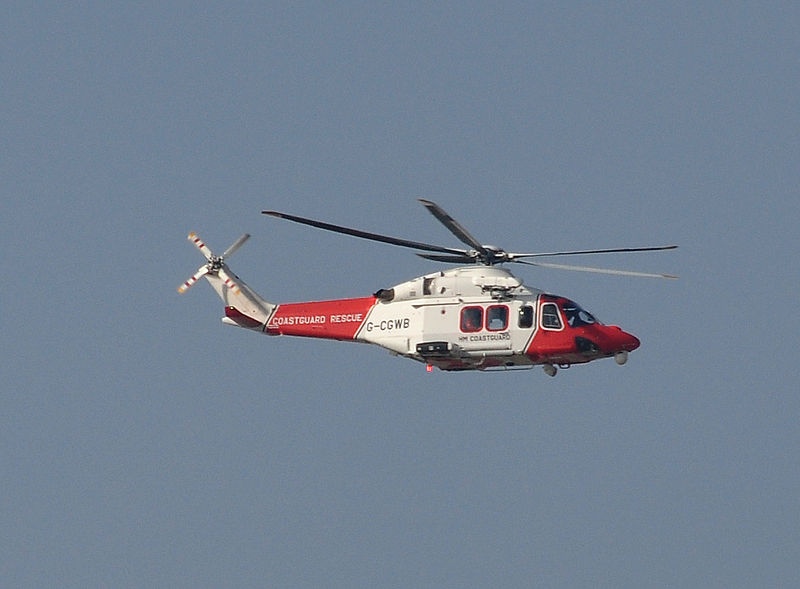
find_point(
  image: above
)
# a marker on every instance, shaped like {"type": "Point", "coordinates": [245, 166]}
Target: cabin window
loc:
{"type": "Point", "coordinates": [525, 317]}
{"type": "Point", "coordinates": [550, 316]}
{"type": "Point", "coordinates": [497, 318]}
{"type": "Point", "coordinates": [471, 319]}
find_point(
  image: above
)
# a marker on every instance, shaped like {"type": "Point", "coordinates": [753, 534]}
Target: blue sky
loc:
{"type": "Point", "coordinates": [146, 444]}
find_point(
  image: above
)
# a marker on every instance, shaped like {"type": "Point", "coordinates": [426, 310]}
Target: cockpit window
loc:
{"type": "Point", "coordinates": [576, 316]}
{"type": "Point", "coordinates": [550, 316]}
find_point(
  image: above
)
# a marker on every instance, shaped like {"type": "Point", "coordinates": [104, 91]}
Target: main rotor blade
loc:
{"type": "Point", "coordinates": [603, 251]}
{"type": "Point", "coordinates": [454, 226]}
{"type": "Point", "coordinates": [463, 259]}
{"type": "Point", "coordinates": [365, 234]}
{"type": "Point", "coordinates": [597, 270]}
{"type": "Point", "coordinates": [236, 245]}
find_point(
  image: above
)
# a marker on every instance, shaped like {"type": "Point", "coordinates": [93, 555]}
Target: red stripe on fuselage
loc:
{"type": "Point", "coordinates": [339, 319]}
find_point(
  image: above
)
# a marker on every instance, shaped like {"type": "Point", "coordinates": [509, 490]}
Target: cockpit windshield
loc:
{"type": "Point", "coordinates": [576, 316]}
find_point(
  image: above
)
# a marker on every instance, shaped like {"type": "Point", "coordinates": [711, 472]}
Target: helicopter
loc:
{"type": "Point", "coordinates": [476, 316]}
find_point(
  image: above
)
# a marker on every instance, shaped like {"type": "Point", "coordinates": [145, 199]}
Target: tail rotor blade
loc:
{"type": "Point", "coordinates": [195, 277]}
{"type": "Point", "coordinates": [200, 245]}
{"type": "Point", "coordinates": [236, 245]}
{"type": "Point", "coordinates": [228, 280]}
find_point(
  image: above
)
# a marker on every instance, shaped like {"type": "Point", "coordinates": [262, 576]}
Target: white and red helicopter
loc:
{"type": "Point", "coordinates": [474, 317]}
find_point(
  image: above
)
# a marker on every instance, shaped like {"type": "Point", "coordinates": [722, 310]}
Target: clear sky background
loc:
{"type": "Point", "coordinates": [144, 443]}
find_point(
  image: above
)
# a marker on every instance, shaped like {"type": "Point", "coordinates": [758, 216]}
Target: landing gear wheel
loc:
{"type": "Point", "coordinates": [549, 369]}
{"type": "Point", "coordinates": [621, 357]}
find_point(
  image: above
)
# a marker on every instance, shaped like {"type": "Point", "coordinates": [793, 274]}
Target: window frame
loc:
{"type": "Point", "coordinates": [558, 314]}
{"type": "Point", "coordinates": [462, 315]}
{"type": "Point", "coordinates": [486, 317]}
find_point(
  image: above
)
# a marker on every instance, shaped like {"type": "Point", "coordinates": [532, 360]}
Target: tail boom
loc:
{"type": "Point", "coordinates": [340, 319]}
{"type": "Point", "coordinates": [337, 319]}
{"type": "Point", "coordinates": [243, 306]}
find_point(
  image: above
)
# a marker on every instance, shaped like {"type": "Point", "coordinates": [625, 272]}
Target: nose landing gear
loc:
{"type": "Point", "coordinates": [621, 357]}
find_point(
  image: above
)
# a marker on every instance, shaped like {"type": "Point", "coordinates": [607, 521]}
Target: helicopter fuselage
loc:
{"type": "Point", "coordinates": [466, 318]}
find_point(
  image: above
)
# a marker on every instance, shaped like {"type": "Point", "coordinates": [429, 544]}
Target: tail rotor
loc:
{"type": "Point", "coordinates": [216, 264]}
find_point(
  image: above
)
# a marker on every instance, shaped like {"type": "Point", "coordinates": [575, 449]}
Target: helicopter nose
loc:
{"type": "Point", "coordinates": [625, 341]}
